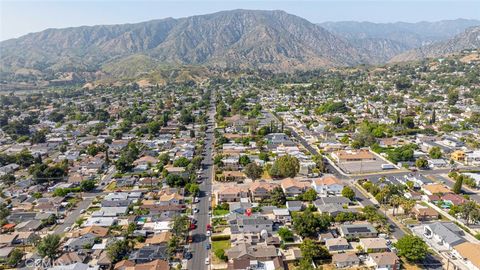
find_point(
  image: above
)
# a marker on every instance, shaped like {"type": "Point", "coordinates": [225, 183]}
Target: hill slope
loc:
{"type": "Point", "coordinates": [240, 38]}
{"type": "Point", "coordinates": [470, 39]}
{"type": "Point", "coordinates": [382, 41]}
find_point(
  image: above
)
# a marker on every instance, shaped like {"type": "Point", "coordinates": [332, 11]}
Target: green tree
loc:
{"type": "Point", "coordinates": [7, 179]}
{"type": "Point", "coordinates": [38, 137]}
{"type": "Point", "coordinates": [310, 195]}
{"type": "Point", "coordinates": [244, 160]}
{"type": "Point", "coordinates": [180, 226]}
{"type": "Point", "coordinates": [49, 246]}
{"type": "Point", "coordinates": [118, 250]}
{"type": "Point", "coordinates": [457, 187]}
{"type": "Point", "coordinates": [277, 197]}
{"type": "Point", "coordinates": [163, 159]}
{"type": "Point", "coordinates": [174, 180]}
{"type": "Point", "coordinates": [181, 162]}
{"type": "Point", "coordinates": [319, 162]}
{"type": "Point", "coordinates": [470, 212]}
{"type": "Point", "coordinates": [421, 163]}
{"type": "Point", "coordinates": [348, 193]}
{"type": "Point", "coordinates": [413, 248]}
{"type": "Point", "coordinates": [311, 250]}
{"type": "Point", "coordinates": [285, 234]}
{"type": "Point", "coordinates": [220, 253]}
{"type": "Point", "coordinates": [435, 152]}
{"type": "Point", "coordinates": [15, 257]}
{"type": "Point", "coordinates": [285, 166]}
{"type": "Point", "coordinates": [194, 189]}
{"type": "Point", "coordinates": [87, 185]}
{"type": "Point", "coordinates": [253, 171]}
{"type": "Point", "coordinates": [433, 119]}
{"type": "Point", "coordinates": [452, 97]}
{"type": "Point", "coordinates": [307, 224]}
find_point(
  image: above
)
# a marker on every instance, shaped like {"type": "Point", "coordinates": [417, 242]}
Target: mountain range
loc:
{"type": "Point", "coordinates": [240, 39]}
{"type": "Point", "coordinates": [383, 41]}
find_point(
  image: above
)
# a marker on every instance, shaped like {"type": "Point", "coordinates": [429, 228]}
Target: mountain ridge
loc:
{"type": "Point", "coordinates": [241, 39]}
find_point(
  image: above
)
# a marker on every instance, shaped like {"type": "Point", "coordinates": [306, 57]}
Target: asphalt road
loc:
{"type": "Point", "coordinates": [107, 178]}
{"type": "Point", "coordinates": [200, 240]}
{"type": "Point", "coordinates": [73, 215]}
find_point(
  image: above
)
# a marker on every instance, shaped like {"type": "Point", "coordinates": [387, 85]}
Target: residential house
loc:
{"type": "Point", "coordinates": [250, 224]}
{"type": "Point", "coordinates": [424, 213]}
{"type": "Point", "coordinates": [345, 260]}
{"type": "Point", "coordinates": [337, 200]}
{"type": "Point", "coordinates": [282, 215]}
{"type": "Point", "coordinates": [458, 156]}
{"type": "Point", "coordinates": [260, 190]}
{"type": "Point", "coordinates": [337, 244]}
{"type": "Point", "coordinates": [334, 209]}
{"type": "Point", "coordinates": [180, 171]}
{"type": "Point", "coordinates": [373, 245]}
{"type": "Point", "coordinates": [384, 261]}
{"type": "Point", "coordinates": [453, 199]}
{"type": "Point", "coordinates": [294, 205]}
{"type": "Point", "coordinates": [170, 199]}
{"type": "Point", "coordinates": [149, 253]}
{"type": "Point", "coordinates": [152, 265]}
{"type": "Point", "coordinates": [241, 255]}
{"type": "Point", "coordinates": [358, 231]}
{"type": "Point", "coordinates": [446, 234]}
{"type": "Point", "coordinates": [327, 184]}
{"type": "Point", "coordinates": [294, 187]}
{"type": "Point", "coordinates": [469, 254]}
{"type": "Point", "coordinates": [230, 194]}
{"type": "Point", "coordinates": [435, 189]}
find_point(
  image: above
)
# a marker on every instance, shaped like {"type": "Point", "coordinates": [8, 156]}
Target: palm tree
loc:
{"type": "Point", "coordinates": [407, 206]}
{"type": "Point", "coordinates": [395, 202]}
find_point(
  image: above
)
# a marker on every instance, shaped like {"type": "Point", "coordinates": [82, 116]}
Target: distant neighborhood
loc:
{"type": "Point", "coordinates": [374, 168]}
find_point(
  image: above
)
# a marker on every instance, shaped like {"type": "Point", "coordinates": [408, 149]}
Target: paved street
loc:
{"type": "Point", "coordinates": [73, 215]}
{"type": "Point", "coordinates": [107, 178]}
{"type": "Point", "coordinates": [200, 240]}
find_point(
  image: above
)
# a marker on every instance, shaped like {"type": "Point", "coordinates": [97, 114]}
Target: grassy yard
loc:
{"type": "Point", "coordinates": [219, 212]}
{"type": "Point", "coordinates": [216, 245]}
{"type": "Point", "coordinates": [111, 186]}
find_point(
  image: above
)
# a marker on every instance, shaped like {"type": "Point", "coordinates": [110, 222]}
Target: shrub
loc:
{"type": "Point", "coordinates": [220, 237]}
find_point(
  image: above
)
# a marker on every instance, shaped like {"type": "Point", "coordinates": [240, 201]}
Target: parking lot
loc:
{"type": "Point", "coordinates": [353, 167]}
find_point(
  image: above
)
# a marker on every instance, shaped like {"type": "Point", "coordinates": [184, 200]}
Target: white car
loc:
{"type": "Point", "coordinates": [196, 210]}
{"type": "Point", "coordinates": [66, 229]}
{"type": "Point", "coordinates": [209, 233]}
{"type": "Point", "coordinates": [207, 260]}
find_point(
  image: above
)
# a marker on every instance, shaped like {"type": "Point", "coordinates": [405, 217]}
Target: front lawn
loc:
{"type": "Point", "coordinates": [220, 212]}
{"type": "Point", "coordinates": [217, 245]}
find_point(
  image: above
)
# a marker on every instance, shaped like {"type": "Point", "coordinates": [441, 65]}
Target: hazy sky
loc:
{"type": "Point", "coordinates": [19, 17]}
